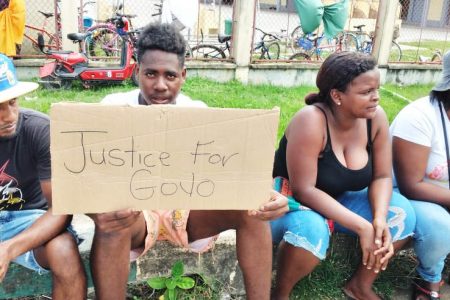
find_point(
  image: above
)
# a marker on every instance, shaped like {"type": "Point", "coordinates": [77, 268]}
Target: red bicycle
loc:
{"type": "Point", "coordinates": [41, 39]}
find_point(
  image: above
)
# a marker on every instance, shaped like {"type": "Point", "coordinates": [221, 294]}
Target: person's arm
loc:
{"type": "Point", "coordinates": [44, 229]}
{"type": "Point", "coordinates": [410, 163]}
{"type": "Point", "coordinates": [380, 189]}
{"type": "Point", "coordinates": [306, 139]}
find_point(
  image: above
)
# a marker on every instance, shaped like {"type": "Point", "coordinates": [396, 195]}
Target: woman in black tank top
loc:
{"type": "Point", "coordinates": [333, 151]}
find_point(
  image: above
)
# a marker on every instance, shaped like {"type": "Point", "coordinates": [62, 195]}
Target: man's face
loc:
{"type": "Point", "coordinates": [160, 77]}
{"type": "Point", "coordinates": [9, 114]}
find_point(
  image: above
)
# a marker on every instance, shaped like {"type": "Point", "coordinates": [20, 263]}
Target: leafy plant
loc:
{"type": "Point", "coordinates": [173, 282]}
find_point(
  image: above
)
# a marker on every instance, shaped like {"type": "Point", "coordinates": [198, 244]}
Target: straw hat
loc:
{"type": "Point", "coordinates": [10, 87]}
{"type": "Point", "coordinates": [444, 83]}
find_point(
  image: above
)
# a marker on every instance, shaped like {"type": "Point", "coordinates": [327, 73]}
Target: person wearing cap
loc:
{"type": "Point", "coordinates": [30, 235]}
{"type": "Point", "coordinates": [420, 138]}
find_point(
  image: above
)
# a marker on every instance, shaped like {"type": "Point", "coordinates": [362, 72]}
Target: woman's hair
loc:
{"type": "Point", "coordinates": [164, 37]}
{"type": "Point", "coordinates": [337, 71]}
{"type": "Point", "coordinates": [442, 97]}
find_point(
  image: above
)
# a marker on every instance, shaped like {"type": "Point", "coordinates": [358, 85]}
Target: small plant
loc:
{"type": "Point", "coordinates": [172, 283]}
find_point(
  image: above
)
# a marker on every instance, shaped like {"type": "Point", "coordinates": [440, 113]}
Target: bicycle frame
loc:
{"type": "Point", "coordinates": [109, 47]}
{"type": "Point", "coordinates": [51, 37]}
{"type": "Point", "coordinates": [314, 47]}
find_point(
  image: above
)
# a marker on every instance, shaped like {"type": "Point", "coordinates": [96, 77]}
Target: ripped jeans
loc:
{"type": "Point", "coordinates": [431, 239]}
{"type": "Point", "coordinates": [309, 230]}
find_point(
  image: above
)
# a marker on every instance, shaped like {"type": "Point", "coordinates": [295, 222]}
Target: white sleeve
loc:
{"type": "Point", "coordinates": [414, 125]}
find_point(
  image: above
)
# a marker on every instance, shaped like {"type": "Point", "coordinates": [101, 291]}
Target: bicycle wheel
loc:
{"type": "Point", "coordinates": [270, 51]}
{"type": "Point", "coordinates": [437, 57]}
{"type": "Point", "coordinates": [300, 56]}
{"type": "Point", "coordinates": [207, 52]}
{"type": "Point", "coordinates": [326, 47]}
{"type": "Point", "coordinates": [103, 42]}
{"type": "Point", "coordinates": [54, 82]}
{"type": "Point", "coordinates": [349, 42]}
{"type": "Point", "coordinates": [295, 35]}
{"type": "Point", "coordinates": [395, 54]}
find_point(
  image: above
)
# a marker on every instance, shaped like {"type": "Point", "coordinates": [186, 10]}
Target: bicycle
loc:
{"type": "Point", "coordinates": [311, 46]}
{"type": "Point", "coordinates": [267, 49]}
{"type": "Point", "coordinates": [46, 40]}
{"type": "Point", "coordinates": [363, 42]}
{"type": "Point", "coordinates": [105, 39]}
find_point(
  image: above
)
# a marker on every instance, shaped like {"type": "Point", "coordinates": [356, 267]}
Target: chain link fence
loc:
{"type": "Point", "coordinates": [422, 28]}
{"type": "Point", "coordinates": [425, 32]}
{"type": "Point", "coordinates": [41, 26]}
{"type": "Point", "coordinates": [212, 17]}
{"type": "Point", "coordinates": [421, 32]}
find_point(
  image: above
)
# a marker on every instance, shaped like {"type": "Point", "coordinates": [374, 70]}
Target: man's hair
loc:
{"type": "Point", "coordinates": [337, 72]}
{"type": "Point", "coordinates": [164, 37]}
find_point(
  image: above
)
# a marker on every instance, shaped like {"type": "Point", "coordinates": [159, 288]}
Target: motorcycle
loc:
{"type": "Point", "coordinates": [68, 66]}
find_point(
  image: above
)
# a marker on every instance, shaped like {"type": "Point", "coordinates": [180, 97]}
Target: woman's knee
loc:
{"type": "Point", "coordinates": [307, 230]}
{"type": "Point", "coordinates": [433, 223]}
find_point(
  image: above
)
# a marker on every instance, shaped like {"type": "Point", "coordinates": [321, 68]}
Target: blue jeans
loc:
{"type": "Point", "coordinates": [431, 239]}
{"type": "Point", "coordinates": [309, 230]}
{"type": "Point", "coordinates": [13, 223]}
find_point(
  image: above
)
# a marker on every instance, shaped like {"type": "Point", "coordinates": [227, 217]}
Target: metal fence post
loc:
{"type": "Point", "coordinates": [243, 23]}
{"type": "Point", "coordinates": [384, 30]}
{"type": "Point", "coordinates": [69, 15]}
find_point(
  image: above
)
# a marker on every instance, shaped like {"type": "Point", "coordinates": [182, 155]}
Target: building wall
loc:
{"type": "Point", "coordinates": [436, 9]}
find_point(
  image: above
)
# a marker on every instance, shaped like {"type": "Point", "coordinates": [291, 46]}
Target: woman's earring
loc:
{"type": "Point", "coordinates": [338, 103]}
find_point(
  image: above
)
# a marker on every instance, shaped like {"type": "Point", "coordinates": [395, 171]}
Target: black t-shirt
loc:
{"type": "Point", "coordinates": [24, 162]}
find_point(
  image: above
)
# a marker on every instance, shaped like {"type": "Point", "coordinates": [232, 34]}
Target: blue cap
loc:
{"type": "Point", "coordinates": [10, 86]}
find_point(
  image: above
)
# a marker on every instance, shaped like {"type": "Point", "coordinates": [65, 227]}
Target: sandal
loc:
{"type": "Point", "coordinates": [420, 290]}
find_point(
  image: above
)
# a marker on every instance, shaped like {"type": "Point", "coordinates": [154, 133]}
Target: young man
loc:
{"type": "Point", "coordinates": [29, 234]}
{"type": "Point", "coordinates": [161, 50]}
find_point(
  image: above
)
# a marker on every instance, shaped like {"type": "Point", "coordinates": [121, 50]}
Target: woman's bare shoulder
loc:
{"type": "Point", "coordinates": [310, 118]}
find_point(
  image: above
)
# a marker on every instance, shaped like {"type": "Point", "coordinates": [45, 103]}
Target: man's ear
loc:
{"type": "Point", "coordinates": [183, 74]}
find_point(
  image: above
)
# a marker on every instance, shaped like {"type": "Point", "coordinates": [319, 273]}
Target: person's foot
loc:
{"type": "Point", "coordinates": [424, 290]}
{"type": "Point", "coordinates": [359, 292]}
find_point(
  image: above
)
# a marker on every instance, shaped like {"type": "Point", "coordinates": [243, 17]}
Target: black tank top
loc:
{"type": "Point", "coordinates": [332, 177]}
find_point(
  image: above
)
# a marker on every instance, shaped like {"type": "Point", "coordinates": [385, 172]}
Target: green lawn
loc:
{"type": "Point", "coordinates": [425, 48]}
{"type": "Point", "coordinates": [326, 280]}
{"type": "Point", "coordinates": [232, 94]}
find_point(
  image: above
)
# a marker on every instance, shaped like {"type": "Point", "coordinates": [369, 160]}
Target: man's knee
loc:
{"type": "Point", "coordinates": [61, 255]}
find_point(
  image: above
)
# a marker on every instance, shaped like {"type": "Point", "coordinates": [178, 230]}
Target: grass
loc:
{"type": "Point", "coordinates": [232, 94]}
{"type": "Point", "coordinates": [426, 48]}
{"type": "Point", "coordinates": [326, 280]}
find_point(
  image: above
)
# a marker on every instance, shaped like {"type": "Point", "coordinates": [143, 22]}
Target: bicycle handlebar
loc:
{"type": "Point", "coordinates": [267, 34]}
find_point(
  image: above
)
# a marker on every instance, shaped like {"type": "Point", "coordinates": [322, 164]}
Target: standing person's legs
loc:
{"type": "Point", "coordinates": [401, 221]}
{"type": "Point", "coordinates": [303, 237]}
{"type": "Point", "coordinates": [431, 241]}
{"type": "Point", "coordinates": [110, 256]}
{"type": "Point", "coordinates": [253, 245]}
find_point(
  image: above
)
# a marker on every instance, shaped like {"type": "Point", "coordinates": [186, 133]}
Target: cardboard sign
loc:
{"type": "Point", "coordinates": [106, 158]}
